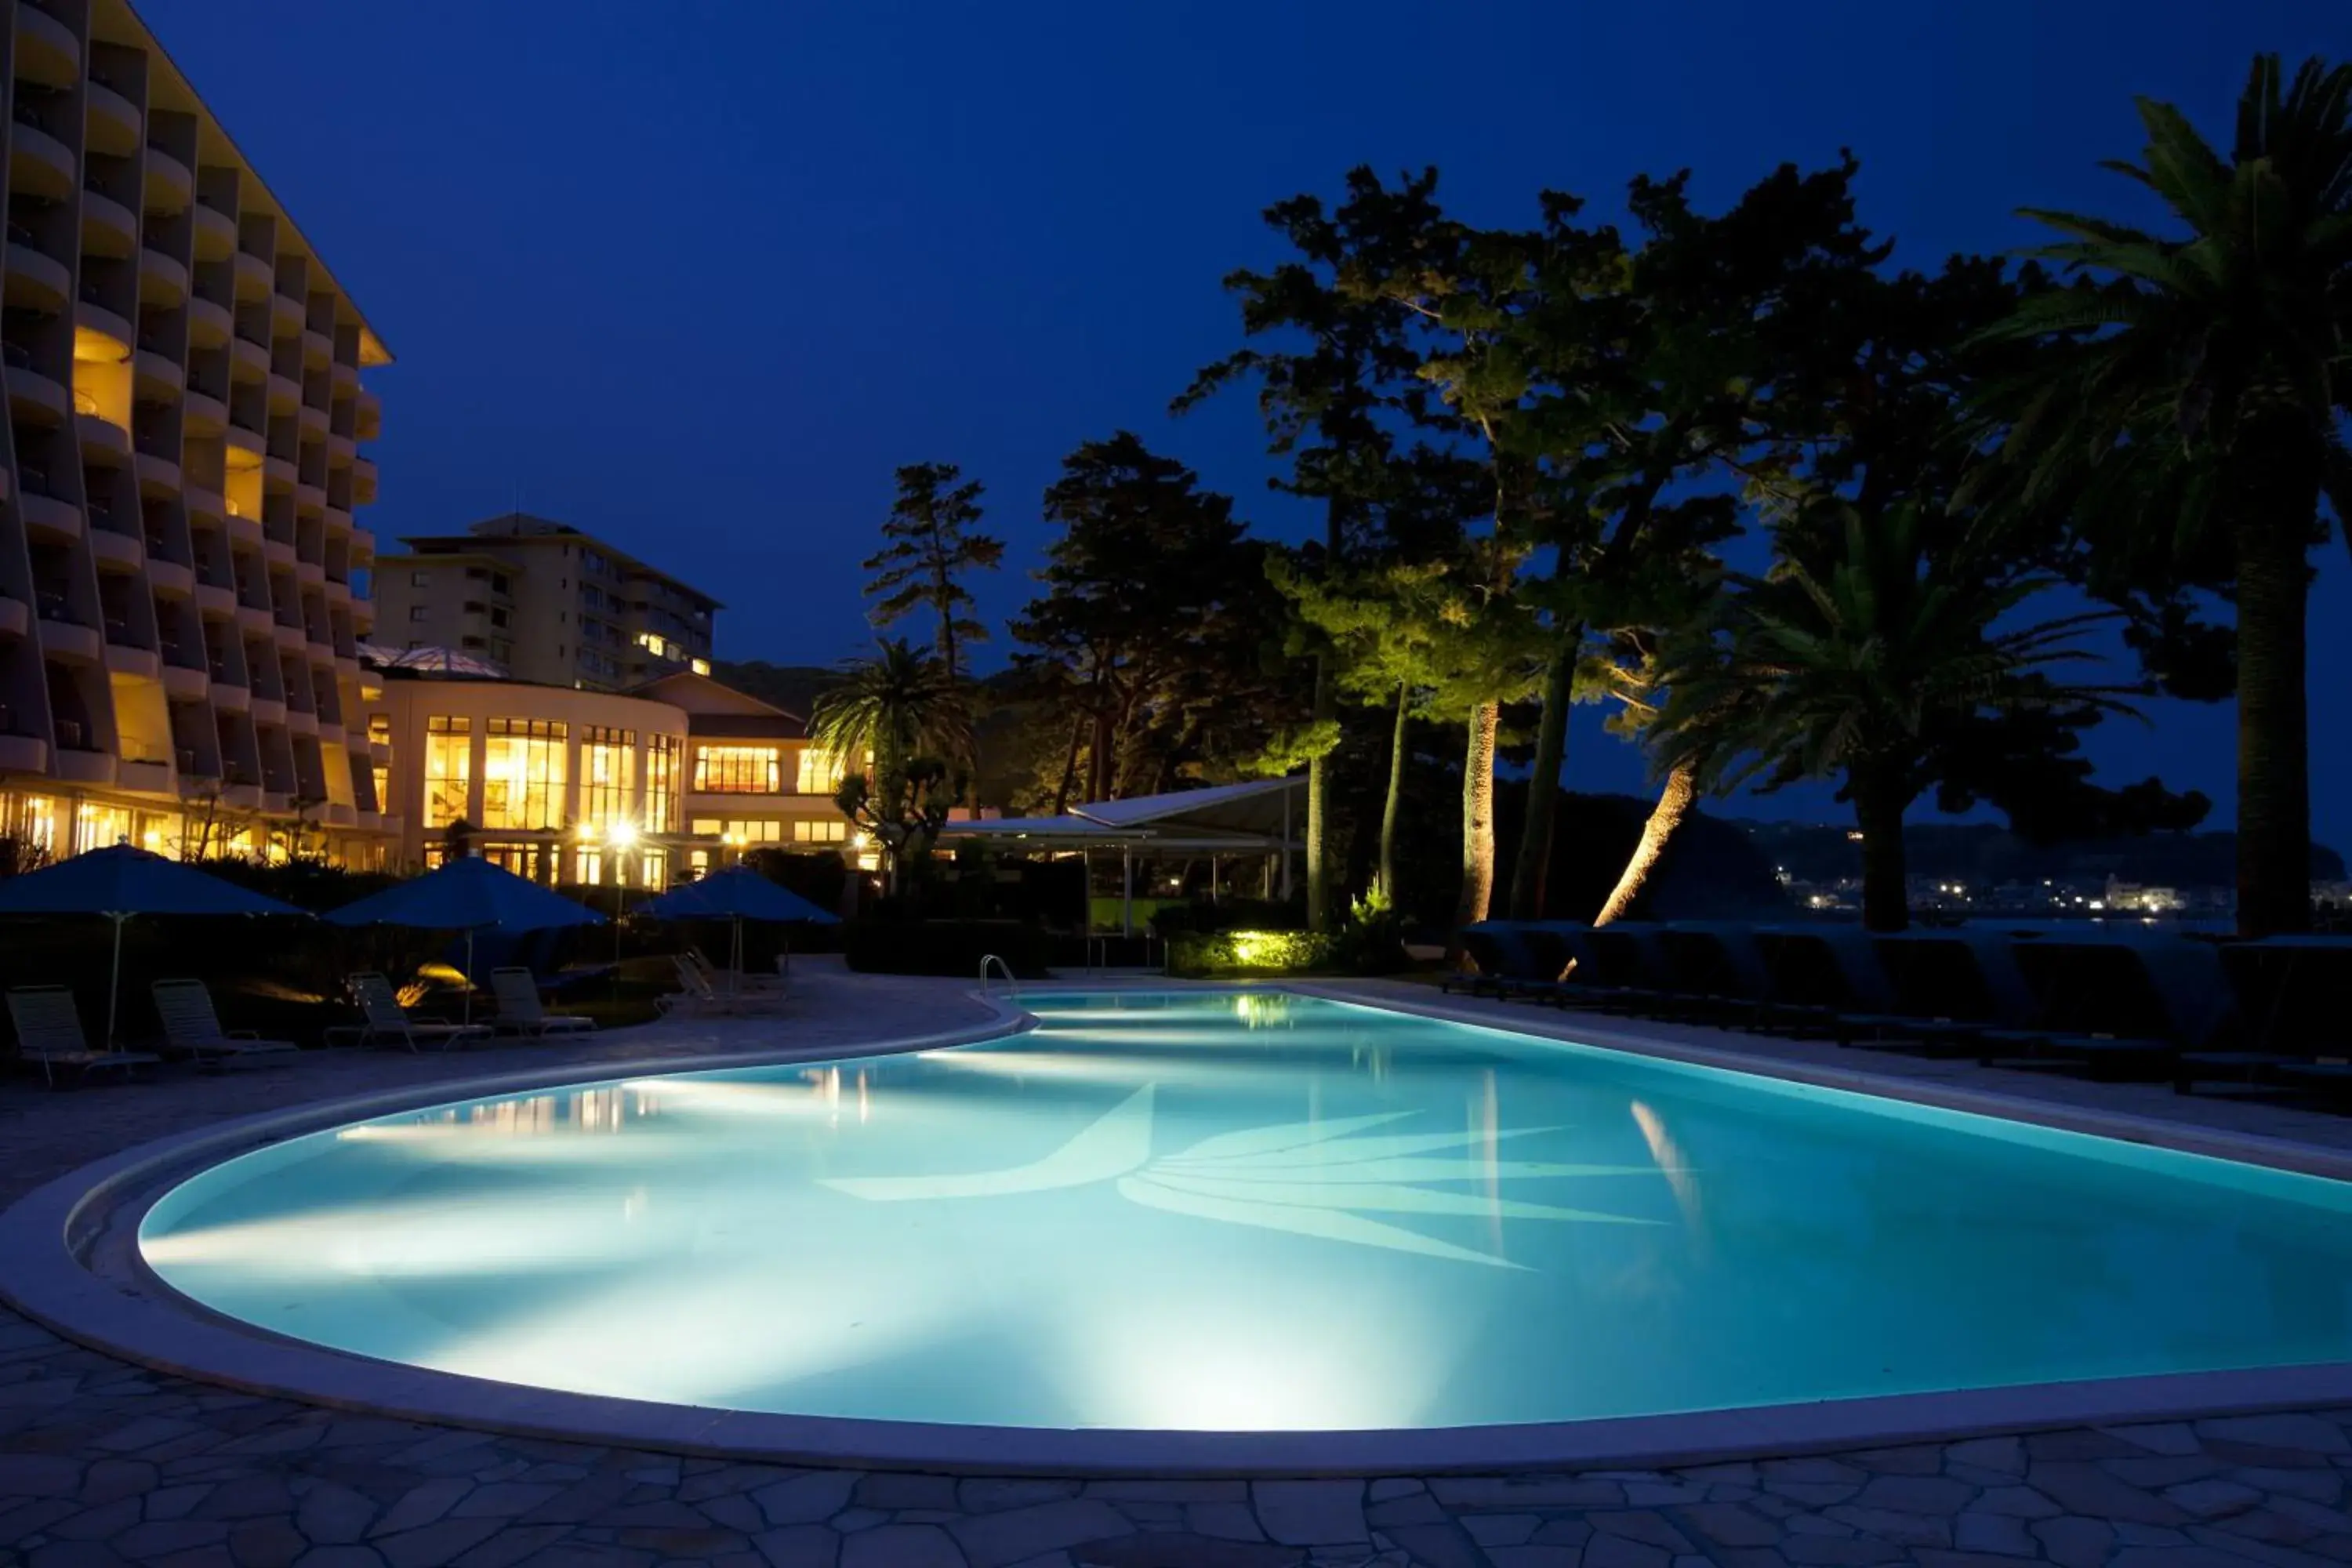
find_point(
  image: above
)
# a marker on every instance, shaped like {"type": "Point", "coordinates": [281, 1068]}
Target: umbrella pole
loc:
{"type": "Point", "coordinates": [114, 980]}
{"type": "Point", "coordinates": [469, 975]}
{"type": "Point", "coordinates": [735, 962]}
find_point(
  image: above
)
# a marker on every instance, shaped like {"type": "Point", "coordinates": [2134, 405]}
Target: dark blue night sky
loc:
{"type": "Point", "coordinates": [697, 276]}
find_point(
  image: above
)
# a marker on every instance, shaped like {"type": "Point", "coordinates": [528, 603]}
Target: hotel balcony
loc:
{"type": "Point", "coordinates": [156, 378]}
{"type": "Point", "coordinates": [39, 163]}
{"type": "Point", "coordinates": [169, 188]}
{"type": "Point", "coordinates": [143, 777]}
{"type": "Point", "coordinates": [24, 753]}
{"type": "Point", "coordinates": [45, 515]}
{"type": "Point", "coordinates": [201, 414]}
{"type": "Point", "coordinates": [158, 475]}
{"type": "Point", "coordinates": [37, 280]}
{"type": "Point", "coordinates": [115, 550]}
{"type": "Point", "coordinates": [209, 324]}
{"type": "Point", "coordinates": [162, 281]}
{"type": "Point", "coordinates": [16, 617]}
{"type": "Point", "coordinates": [112, 124]}
{"type": "Point", "coordinates": [47, 50]}
{"type": "Point", "coordinates": [108, 227]}
{"type": "Point", "coordinates": [253, 277]}
{"type": "Point", "coordinates": [131, 663]}
{"type": "Point", "coordinates": [76, 762]}
{"type": "Point", "coordinates": [170, 579]}
{"type": "Point", "coordinates": [185, 682]}
{"type": "Point", "coordinates": [34, 395]}
{"type": "Point", "coordinates": [102, 438]}
{"type": "Point", "coordinates": [216, 233]}
{"type": "Point", "coordinates": [64, 638]}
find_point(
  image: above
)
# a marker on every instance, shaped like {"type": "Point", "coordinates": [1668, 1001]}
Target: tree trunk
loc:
{"type": "Point", "coordinates": [1394, 801]}
{"type": "Point", "coordinates": [1070, 765]}
{"type": "Point", "coordinates": [1478, 818]}
{"type": "Point", "coordinates": [1878, 810]}
{"type": "Point", "coordinates": [1099, 775]}
{"type": "Point", "coordinates": [1534, 866]}
{"type": "Point", "coordinates": [1318, 808]}
{"type": "Point", "coordinates": [1674, 805]}
{"type": "Point", "coordinates": [2274, 725]}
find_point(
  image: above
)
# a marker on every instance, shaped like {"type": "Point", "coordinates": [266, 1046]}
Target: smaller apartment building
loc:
{"type": "Point", "coordinates": [565, 785]}
{"type": "Point", "coordinates": [549, 603]}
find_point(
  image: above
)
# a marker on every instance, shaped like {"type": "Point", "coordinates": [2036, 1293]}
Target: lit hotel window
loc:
{"type": "Point", "coordinates": [739, 769]}
{"type": "Point", "coordinates": [522, 773]}
{"type": "Point", "coordinates": [448, 767]}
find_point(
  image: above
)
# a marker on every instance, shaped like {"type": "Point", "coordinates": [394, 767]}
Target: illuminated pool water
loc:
{"type": "Point", "coordinates": [1220, 1212]}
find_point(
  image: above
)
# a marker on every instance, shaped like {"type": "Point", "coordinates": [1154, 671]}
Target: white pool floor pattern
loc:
{"type": "Point", "coordinates": [1255, 1211]}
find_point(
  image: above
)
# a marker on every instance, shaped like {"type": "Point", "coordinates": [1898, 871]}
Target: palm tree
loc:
{"type": "Point", "coordinates": [890, 710]}
{"type": "Point", "coordinates": [2191, 403]}
{"type": "Point", "coordinates": [1867, 655]}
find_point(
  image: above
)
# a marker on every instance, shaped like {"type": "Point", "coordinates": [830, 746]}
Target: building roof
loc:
{"type": "Point", "coordinates": [703, 699]}
{"type": "Point", "coordinates": [444, 661]}
{"type": "Point", "coordinates": [1258, 806]}
{"type": "Point", "coordinates": [1257, 817]}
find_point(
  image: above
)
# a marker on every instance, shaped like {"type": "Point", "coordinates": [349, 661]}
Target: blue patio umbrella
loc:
{"type": "Point", "coordinates": [467, 895]}
{"type": "Point", "coordinates": [736, 896]}
{"type": "Point", "coordinates": [740, 894]}
{"type": "Point", "coordinates": [119, 882]}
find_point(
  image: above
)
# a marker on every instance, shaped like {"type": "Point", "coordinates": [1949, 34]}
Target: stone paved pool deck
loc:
{"type": "Point", "coordinates": [103, 1462]}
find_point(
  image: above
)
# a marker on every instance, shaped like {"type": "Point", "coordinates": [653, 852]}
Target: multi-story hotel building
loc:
{"type": "Point", "coordinates": [560, 783]}
{"type": "Point", "coordinates": [547, 602]}
{"type": "Point", "coordinates": [182, 579]}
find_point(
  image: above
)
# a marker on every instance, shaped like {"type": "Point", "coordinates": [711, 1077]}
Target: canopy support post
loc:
{"type": "Point", "coordinates": [114, 980]}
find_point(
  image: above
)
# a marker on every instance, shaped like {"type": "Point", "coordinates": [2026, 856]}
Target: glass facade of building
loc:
{"type": "Point", "coordinates": [448, 769]}
{"type": "Point", "coordinates": [523, 771]}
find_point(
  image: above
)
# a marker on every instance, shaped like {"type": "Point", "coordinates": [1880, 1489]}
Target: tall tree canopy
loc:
{"type": "Point", "coordinates": [2187, 412]}
{"type": "Point", "coordinates": [1152, 624]}
{"type": "Point", "coordinates": [931, 546]}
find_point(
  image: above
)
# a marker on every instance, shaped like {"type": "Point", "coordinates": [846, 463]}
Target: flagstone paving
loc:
{"type": "Point", "coordinates": [104, 1463]}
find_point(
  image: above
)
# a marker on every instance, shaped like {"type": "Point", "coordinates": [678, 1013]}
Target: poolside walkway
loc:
{"type": "Point", "coordinates": [103, 1463]}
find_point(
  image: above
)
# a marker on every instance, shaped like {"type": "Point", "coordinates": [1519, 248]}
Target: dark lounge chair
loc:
{"type": "Point", "coordinates": [1948, 989]}
{"type": "Point", "coordinates": [2296, 996]}
{"type": "Point", "coordinates": [2121, 1004]}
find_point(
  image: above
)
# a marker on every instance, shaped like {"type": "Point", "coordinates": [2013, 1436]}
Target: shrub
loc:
{"type": "Point", "coordinates": [1214, 955]}
{"type": "Point", "coordinates": [942, 947]}
{"type": "Point", "coordinates": [1372, 942]}
{"type": "Point", "coordinates": [1230, 914]}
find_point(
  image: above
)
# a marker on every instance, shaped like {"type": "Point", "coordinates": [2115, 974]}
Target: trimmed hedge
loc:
{"type": "Point", "coordinates": [942, 947]}
{"type": "Point", "coordinates": [1228, 954]}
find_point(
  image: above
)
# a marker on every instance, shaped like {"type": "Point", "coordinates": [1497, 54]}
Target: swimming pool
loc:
{"type": "Point", "coordinates": [1253, 1211]}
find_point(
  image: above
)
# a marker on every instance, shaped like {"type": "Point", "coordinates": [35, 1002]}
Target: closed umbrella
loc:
{"type": "Point", "coordinates": [738, 894]}
{"type": "Point", "coordinates": [468, 895]}
{"type": "Point", "coordinates": [119, 882]}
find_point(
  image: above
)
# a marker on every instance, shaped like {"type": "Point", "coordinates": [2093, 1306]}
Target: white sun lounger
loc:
{"type": "Point", "coordinates": [519, 1009]}
{"type": "Point", "coordinates": [386, 1022]}
{"type": "Point", "coordinates": [48, 1031]}
{"type": "Point", "coordinates": [190, 1028]}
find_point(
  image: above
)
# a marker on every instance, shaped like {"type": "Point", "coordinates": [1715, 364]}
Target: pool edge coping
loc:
{"type": "Point", "coordinates": [2120, 1126]}
{"type": "Point", "coordinates": [53, 1228]}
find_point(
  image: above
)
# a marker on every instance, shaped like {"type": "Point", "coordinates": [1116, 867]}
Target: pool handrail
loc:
{"type": "Point", "coordinates": [1011, 986]}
